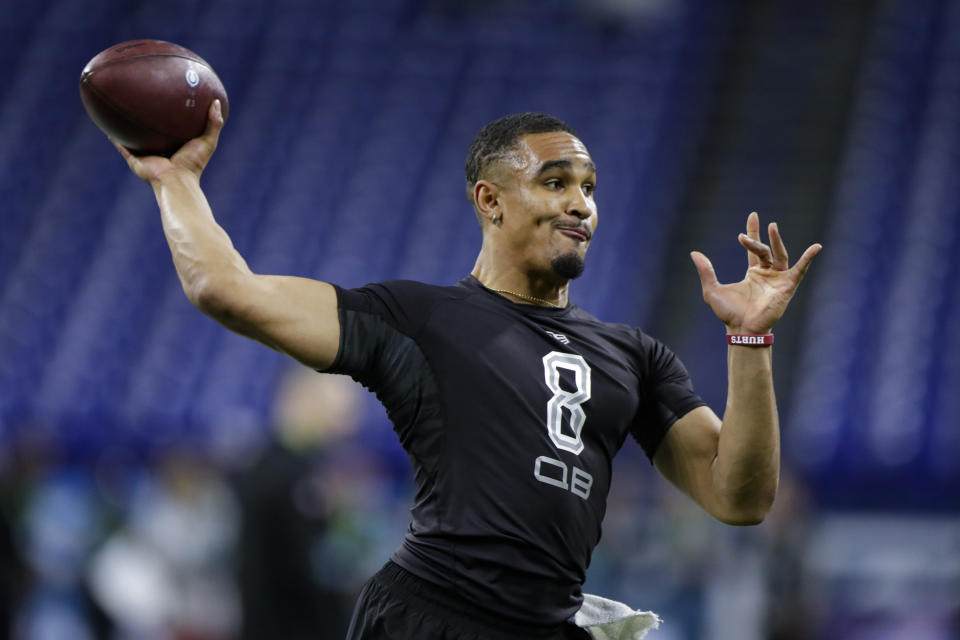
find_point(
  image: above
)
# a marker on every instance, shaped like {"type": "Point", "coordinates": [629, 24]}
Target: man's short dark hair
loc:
{"type": "Point", "coordinates": [499, 138]}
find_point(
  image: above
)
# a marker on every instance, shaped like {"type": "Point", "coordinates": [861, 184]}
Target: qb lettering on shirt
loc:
{"type": "Point", "coordinates": [580, 481]}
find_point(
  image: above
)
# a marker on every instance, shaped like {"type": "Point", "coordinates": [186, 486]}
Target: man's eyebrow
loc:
{"type": "Point", "coordinates": [563, 164]}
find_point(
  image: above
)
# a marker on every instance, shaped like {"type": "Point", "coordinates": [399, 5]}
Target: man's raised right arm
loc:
{"type": "Point", "coordinates": [296, 316]}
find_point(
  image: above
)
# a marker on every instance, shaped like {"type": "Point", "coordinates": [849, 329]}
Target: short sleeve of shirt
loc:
{"type": "Point", "coordinates": [378, 323]}
{"type": "Point", "coordinates": [666, 395]}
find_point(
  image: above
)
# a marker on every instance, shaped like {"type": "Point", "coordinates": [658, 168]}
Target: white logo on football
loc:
{"type": "Point", "coordinates": [192, 77]}
{"type": "Point", "coordinates": [559, 336]}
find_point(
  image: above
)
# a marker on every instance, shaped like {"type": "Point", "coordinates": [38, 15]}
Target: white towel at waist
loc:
{"type": "Point", "coordinates": [611, 620]}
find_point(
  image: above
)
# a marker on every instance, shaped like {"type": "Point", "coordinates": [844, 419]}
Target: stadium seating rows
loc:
{"type": "Point", "coordinates": [343, 160]}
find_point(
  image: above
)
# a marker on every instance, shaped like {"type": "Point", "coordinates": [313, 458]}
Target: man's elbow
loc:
{"type": "Point", "coordinates": [743, 519]}
{"type": "Point", "coordinates": [214, 295]}
{"type": "Point", "coordinates": [746, 512]}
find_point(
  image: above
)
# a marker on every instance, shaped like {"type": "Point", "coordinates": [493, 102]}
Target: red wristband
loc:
{"type": "Point", "coordinates": [754, 340]}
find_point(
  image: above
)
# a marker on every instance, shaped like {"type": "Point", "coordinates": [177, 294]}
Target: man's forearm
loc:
{"type": "Point", "coordinates": [203, 253]}
{"type": "Point", "coordinates": [747, 468]}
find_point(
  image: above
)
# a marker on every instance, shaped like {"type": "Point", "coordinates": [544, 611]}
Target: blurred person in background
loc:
{"type": "Point", "coordinates": [285, 515]}
{"type": "Point", "coordinates": [508, 506]}
{"type": "Point", "coordinates": [58, 529]}
{"type": "Point", "coordinates": [789, 614]}
{"type": "Point", "coordinates": [166, 572]}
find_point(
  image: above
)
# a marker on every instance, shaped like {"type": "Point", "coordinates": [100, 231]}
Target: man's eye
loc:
{"type": "Point", "coordinates": [588, 189]}
{"type": "Point", "coordinates": [554, 183]}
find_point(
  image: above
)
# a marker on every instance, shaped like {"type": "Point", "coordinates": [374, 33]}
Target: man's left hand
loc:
{"type": "Point", "coordinates": [754, 304]}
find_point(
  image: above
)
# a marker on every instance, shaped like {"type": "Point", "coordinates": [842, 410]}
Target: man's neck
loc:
{"type": "Point", "coordinates": [519, 286]}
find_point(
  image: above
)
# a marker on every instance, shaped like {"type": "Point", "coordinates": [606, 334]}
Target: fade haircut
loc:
{"type": "Point", "coordinates": [499, 139]}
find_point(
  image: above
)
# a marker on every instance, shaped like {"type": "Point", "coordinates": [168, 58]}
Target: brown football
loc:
{"type": "Point", "coordinates": [150, 96]}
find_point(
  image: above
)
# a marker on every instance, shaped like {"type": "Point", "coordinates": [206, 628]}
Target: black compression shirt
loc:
{"type": "Point", "coordinates": [511, 415]}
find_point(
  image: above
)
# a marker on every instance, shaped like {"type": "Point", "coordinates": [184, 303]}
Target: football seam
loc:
{"type": "Point", "coordinates": [110, 63]}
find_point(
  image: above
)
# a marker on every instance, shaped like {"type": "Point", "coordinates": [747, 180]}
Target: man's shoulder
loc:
{"type": "Point", "coordinates": [401, 301]}
{"type": "Point", "coordinates": [617, 334]}
{"type": "Point", "coordinates": [410, 288]}
{"type": "Point", "coordinates": [582, 316]}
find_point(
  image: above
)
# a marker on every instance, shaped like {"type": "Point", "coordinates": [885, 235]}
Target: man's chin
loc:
{"type": "Point", "coordinates": [568, 266]}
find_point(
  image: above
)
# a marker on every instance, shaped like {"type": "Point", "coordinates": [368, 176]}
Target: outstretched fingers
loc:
{"type": "Point", "coordinates": [780, 259]}
{"type": "Point", "coordinates": [800, 269]}
{"type": "Point", "coordinates": [708, 277]}
{"type": "Point", "coordinates": [759, 253]}
{"type": "Point", "coordinates": [753, 232]}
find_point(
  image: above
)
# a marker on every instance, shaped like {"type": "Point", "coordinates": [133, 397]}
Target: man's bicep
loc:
{"type": "Point", "coordinates": [296, 316]}
{"type": "Point", "coordinates": [686, 454]}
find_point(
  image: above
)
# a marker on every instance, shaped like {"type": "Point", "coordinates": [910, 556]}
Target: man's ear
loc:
{"type": "Point", "coordinates": [486, 198]}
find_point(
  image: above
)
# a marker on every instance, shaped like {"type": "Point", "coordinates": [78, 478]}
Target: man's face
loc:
{"type": "Point", "coordinates": [548, 209]}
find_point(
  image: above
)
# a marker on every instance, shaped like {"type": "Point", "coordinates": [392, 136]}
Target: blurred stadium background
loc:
{"type": "Point", "coordinates": [140, 442]}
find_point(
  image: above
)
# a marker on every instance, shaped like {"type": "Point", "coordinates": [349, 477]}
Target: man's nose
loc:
{"type": "Point", "coordinates": [580, 206]}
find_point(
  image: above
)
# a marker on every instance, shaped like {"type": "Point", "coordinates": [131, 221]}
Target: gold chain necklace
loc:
{"type": "Point", "coordinates": [526, 297]}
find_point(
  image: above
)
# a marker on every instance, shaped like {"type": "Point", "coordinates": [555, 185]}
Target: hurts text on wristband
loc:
{"type": "Point", "coordinates": [754, 340]}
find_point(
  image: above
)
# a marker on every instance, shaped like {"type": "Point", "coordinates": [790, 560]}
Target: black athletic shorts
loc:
{"type": "Point", "coordinates": [397, 605]}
